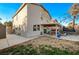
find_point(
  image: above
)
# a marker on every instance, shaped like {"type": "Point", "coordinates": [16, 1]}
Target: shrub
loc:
{"type": "Point", "coordinates": [49, 50]}
{"type": "Point", "coordinates": [61, 31]}
{"type": "Point", "coordinates": [41, 50]}
{"type": "Point", "coordinates": [21, 50]}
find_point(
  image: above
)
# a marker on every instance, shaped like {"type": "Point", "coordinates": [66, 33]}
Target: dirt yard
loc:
{"type": "Point", "coordinates": [62, 44]}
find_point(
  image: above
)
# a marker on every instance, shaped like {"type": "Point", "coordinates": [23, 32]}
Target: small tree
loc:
{"type": "Point", "coordinates": [8, 26]}
{"type": "Point", "coordinates": [0, 23]}
{"type": "Point", "coordinates": [8, 23]}
{"type": "Point", "coordinates": [74, 10]}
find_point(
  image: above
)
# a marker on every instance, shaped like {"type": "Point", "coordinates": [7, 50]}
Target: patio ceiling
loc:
{"type": "Point", "coordinates": [52, 24]}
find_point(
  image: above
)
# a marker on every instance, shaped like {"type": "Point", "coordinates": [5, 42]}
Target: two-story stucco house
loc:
{"type": "Point", "coordinates": [31, 20]}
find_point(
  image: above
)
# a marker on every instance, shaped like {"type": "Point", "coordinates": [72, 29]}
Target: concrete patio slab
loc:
{"type": "Point", "coordinates": [71, 37]}
{"type": "Point", "coordinates": [12, 40]}
{"type": "Point", "coordinates": [3, 43]}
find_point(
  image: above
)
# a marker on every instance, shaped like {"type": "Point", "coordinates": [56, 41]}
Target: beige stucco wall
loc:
{"type": "Point", "coordinates": [35, 13]}
{"type": "Point", "coordinates": [15, 23]}
{"type": "Point", "coordinates": [20, 21]}
{"type": "Point", "coordinates": [30, 15]}
{"type": "Point", "coordinates": [45, 16]}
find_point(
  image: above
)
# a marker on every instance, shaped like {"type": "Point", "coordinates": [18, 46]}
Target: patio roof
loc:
{"type": "Point", "coordinates": [51, 24]}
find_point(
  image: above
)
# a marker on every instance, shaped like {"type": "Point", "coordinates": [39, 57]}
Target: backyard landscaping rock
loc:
{"type": "Point", "coordinates": [62, 44]}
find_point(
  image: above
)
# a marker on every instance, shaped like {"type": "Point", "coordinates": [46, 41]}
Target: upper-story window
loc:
{"type": "Point", "coordinates": [41, 18]}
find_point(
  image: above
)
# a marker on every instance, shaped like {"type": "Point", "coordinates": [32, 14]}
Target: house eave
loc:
{"type": "Point", "coordinates": [21, 7]}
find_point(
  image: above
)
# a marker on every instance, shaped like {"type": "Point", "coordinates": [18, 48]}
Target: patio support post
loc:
{"type": "Point", "coordinates": [56, 31]}
{"type": "Point", "coordinates": [74, 17]}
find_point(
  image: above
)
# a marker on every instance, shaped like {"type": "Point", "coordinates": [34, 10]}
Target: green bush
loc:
{"type": "Point", "coordinates": [48, 50]}
{"type": "Point", "coordinates": [41, 50]}
{"type": "Point", "coordinates": [61, 31]}
{"type": "Point", "coordinates": [21, 50]}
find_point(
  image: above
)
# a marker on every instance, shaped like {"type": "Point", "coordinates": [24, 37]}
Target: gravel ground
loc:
{"type": "Point", "coordinates": [46, 40]}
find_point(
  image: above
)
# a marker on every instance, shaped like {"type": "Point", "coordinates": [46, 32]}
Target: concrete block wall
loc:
{"type": "Point", "coordinates": [2, 31]}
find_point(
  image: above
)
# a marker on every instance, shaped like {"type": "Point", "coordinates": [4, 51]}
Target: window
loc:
{"type": "Point", "coordinates": [38, 27]}
{"type": "Point", "coordinates": [41, 18]}
{"type": "Point", "coordinates": [34, 27]}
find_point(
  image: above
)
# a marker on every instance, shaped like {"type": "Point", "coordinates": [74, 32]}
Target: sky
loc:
{"type": "Point", "coordinates": [58, 11]}
{"type": "Point", "coordinates": [7, 10]}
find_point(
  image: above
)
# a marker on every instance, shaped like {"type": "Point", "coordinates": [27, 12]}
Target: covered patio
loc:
{"type": "Point", "coordinates": [50, 28]}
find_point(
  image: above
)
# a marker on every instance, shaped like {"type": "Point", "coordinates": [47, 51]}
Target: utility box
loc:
{"type": "Point", "coordinates": [2, 31]}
